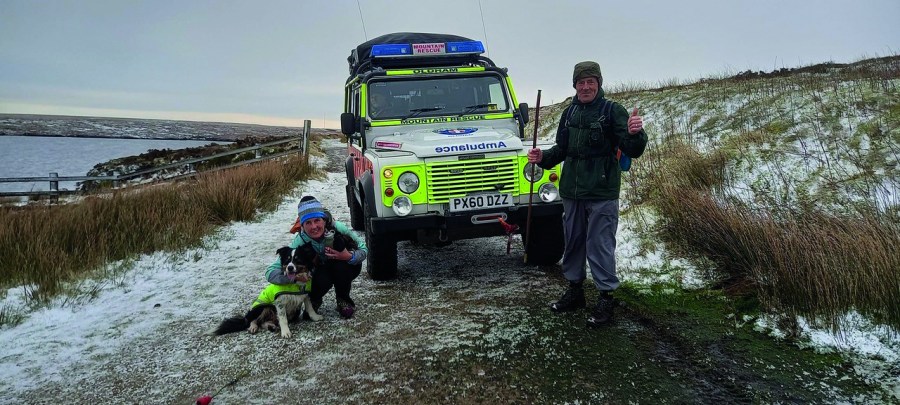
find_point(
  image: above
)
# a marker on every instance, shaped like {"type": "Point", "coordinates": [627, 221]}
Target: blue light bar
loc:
{"type": "Point", "coordinates": [430, 49]}
{"type": "Point", "coordinates": [465, 47]}
{"type": "Point", "coordinates": [381, 50]}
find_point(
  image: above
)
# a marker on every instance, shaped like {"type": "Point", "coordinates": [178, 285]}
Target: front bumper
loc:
{"type": "Point", "coordinates": [460, 225]}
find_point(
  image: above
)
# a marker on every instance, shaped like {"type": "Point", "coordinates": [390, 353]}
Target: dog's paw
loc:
{"type": "Point", "coordinates": [316, 317]}
{"type": "Point", "coordinates": [253, 328]}
{"type": "Point", "coordinates": [285, 333]}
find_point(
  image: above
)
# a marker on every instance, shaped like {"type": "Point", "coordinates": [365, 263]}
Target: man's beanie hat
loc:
{"type": "Point", "coordinates": [310, 208]}
{"type": "Point", "coordinates": [587, 69]}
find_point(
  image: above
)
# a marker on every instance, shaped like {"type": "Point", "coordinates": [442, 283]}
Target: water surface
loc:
{"type": "Point", "coordinates": [38, 156]}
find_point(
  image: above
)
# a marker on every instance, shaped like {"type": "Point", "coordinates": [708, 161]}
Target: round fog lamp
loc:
{"type": "Point", "coordinates": [548, 192]}
{"type": "Point", "coordinates": [402, 206]}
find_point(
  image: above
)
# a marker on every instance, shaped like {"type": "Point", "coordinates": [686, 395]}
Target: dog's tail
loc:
{"type": "Point", "coordinates": [231, 325]}
{"type": "Point", "coordinates": [237, 324]}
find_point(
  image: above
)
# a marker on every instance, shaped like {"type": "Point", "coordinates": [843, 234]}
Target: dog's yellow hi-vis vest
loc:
{"type": "Point", "coordinates": [272, 291]}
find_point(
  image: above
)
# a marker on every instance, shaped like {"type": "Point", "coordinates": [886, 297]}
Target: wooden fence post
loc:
{"type": "Point", "coordinates": [306, 124]}
{"type": "Point", "coordinates": [306, 127]}
{"type": "Point", "coordinates": [54, 188]}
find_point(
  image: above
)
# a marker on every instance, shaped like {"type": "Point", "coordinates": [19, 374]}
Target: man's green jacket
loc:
{"type": "Point", "coordinates": [586, 140]}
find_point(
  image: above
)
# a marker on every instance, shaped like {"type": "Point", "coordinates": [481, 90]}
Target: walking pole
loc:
{"type": "Point", "coordinates": [537, 120]}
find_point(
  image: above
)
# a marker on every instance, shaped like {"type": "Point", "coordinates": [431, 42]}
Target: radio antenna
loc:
{"type": "Point", "coordinates": [364, 21]}
{"type": "Point", "coordinates": [483, 29]}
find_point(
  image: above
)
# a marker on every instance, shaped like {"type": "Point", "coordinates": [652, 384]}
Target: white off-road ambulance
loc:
{"type": "Point", "coordinates": [436, 150]}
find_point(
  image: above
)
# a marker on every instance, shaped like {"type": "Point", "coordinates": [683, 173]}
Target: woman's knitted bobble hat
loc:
{"type": "Point", "coordinates": [587, 69]}
{"type": "Point", "coordinates": [310, 208]}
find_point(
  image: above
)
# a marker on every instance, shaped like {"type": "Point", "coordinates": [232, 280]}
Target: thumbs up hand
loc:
{"type": "Point", "coordinates": [635, 123]}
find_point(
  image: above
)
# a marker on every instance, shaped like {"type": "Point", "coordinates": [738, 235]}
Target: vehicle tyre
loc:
{"type": "Point", "coordinates": [381, 262]}
{"type": "Point", "coordinates": [547, 242]}
{"type": "Point", "coordinates": [357, 221]}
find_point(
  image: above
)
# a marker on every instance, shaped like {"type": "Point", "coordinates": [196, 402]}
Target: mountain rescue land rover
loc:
{"type": "Point", "coordinates": [436, 152]}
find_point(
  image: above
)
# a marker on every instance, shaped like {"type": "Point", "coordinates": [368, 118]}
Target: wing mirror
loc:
{"type": "Point", "coordinates": [349, 124]}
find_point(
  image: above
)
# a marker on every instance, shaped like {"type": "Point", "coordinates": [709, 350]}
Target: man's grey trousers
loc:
{"type": "Point", "coordinates": [590, 227]}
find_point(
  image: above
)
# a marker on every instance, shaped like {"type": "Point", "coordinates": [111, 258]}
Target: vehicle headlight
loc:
{"type": "Point", "coordinates": [408, 182]}
{"type": "Point", "coordinates": [548, 192]}
{"type": "Point", "coordinates": [402, 206]}
{"type": "Point", "coordinates": [538, 172]}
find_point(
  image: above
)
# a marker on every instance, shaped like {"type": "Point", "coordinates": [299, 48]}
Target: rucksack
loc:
{"type": "Point", "coordinates": [606, 111]}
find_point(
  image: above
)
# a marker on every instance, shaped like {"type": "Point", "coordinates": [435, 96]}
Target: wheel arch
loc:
{"type": "Point", "coordinates": [367, 188]}
{"type": "Point", "coordinates": [351, 179]}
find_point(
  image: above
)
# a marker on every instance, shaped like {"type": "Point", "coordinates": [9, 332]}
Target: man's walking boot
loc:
{"type": "Point", "coordinates": [571, 300]}
{"type": "Point", "coordinates": [603, 311]}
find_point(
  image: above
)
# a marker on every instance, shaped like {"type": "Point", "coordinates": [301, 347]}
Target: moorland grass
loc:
{"type": "Point", "coordinates": [817, 237]}
{"type": "Point", "coordinates": [42, 248]}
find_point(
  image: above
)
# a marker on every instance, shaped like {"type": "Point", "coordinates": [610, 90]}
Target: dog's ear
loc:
{"type": "Point", "coordinates": [348, 242]}
{"type": "Point", "coordinates": [285, 254]}
{"type": "Point", "coordinates": [339, 243]}
{"type": "Point", "coordinates": [329, 220]}
{"type": "Point", "coordinates": [306, 254]}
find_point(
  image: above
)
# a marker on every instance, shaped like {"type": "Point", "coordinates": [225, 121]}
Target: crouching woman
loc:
{"type": "Point", "coordinates": [336, 252]}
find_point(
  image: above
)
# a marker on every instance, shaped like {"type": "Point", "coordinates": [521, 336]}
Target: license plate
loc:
{"type": "Point", "coordinates": [480, 202]}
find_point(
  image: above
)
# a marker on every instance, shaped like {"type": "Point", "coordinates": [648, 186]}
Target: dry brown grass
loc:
{"type": "Point", "coordinates": [41, 248]}
{"type": "Point", "coordinates": [798, 261]}
{"type": "Point", "coordinates": [784, 180]}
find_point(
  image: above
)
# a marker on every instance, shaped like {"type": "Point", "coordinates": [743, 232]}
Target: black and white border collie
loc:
{"type": "Point", "coordinates": [286, 306]}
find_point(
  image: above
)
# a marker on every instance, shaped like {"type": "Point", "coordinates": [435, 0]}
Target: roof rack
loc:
{"type": "Point", "coordinates": [404, 49]}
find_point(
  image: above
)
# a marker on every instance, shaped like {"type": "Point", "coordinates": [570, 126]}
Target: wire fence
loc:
{"type": "Point", "coordinates": [187, 169]}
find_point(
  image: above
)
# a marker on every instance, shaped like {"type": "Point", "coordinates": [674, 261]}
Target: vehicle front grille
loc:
{"type": "Point", "coordinates": [459, 178]}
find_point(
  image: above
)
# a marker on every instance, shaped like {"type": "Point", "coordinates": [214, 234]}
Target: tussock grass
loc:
{"type": "Point", "coordinates": [786, 180]}
{"type": "Point", "coordinates": [821, 265]}
{"type": "Point", "coordinates": [796, 260]}
{"type": "Point", "coordinates": [42, 248]}
{"type": "Point", "coordinates": [9, 316]}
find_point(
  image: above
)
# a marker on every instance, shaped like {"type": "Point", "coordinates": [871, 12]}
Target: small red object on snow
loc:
{"type": "Point", "coordinates": [204, 400]}
{"type": "Point", "coordinates": [510, 229]}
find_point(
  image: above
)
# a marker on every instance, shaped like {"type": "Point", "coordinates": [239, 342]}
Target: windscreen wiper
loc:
{"type": "Point", "coordinates": [416, 111]}
{"type": "Point", "coordinates": [472, 108]}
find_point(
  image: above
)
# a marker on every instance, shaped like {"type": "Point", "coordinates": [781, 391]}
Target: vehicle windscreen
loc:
{"type": "Point", "coordinates": [423, 97]}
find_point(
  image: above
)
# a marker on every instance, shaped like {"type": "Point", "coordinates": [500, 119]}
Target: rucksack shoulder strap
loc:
{"type": "Point", "coordinates": [568, 113]}
{"type": "Point", "coordinates": [606, 109]}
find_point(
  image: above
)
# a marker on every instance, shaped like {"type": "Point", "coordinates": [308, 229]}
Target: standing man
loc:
{"type": "Point", "coordinates": [591, 131]}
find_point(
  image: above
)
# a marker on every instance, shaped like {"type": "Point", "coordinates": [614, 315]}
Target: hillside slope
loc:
{"type": "Point", "coordinates": [836, 126]}
{"type": "Point", "coordinates": [782, 185]}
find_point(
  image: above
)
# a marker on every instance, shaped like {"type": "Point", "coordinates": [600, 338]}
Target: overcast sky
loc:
{"type": "Point", "coordinates": [282, 61]}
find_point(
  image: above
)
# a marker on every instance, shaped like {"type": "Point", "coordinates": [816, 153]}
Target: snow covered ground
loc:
{"type": "Point", "coordinates": [139, 338]}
